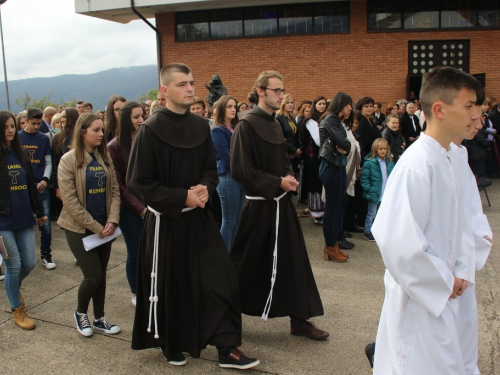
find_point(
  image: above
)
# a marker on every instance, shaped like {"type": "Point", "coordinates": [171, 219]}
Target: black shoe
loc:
{"type": "Point", "coordinates": [236, 359]}
{"type": "Point", "coordinates": [177, 359]}
{"type": "Point", "coordinates": [369, 237]}
{"type": "Point", "coordinates": [345, 245]}
{"type": "Point", "coordinates": [359, 230]}
{"type": "Point", "coordinates": [347, 234]}
{"type": "Point", "coordinates": [370, 353]}
{"type": "Point", "coordinates": [349, 242]}
{"type": "Point", "coordinates": [47, 262]}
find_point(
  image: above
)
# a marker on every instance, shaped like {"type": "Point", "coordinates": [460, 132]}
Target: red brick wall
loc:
{"type": "Point", "coordinates": [359, 63]}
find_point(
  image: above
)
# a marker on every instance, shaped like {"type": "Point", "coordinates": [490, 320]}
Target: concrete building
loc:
{"type": "Point", "coordinates": [363, 47]}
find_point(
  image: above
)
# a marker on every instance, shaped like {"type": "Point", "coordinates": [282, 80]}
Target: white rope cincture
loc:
{"type": "Point", "coordinates": [153, 296]}
{"type": "Point", "coordinates": [267, 307]}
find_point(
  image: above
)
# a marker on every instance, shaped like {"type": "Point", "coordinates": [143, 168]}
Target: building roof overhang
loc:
{"type": "Point", "coordinates": [121, 10]}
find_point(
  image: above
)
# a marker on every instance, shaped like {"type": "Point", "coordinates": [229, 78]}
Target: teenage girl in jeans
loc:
{"type": "Point", "coordinates": [91, 204]}
{"type": "Point", "coordinates": [17, 190]}
{"type": "Point", "coordinates": [231, 193]}
{"type": "Point", "coordinates": [132, 210]}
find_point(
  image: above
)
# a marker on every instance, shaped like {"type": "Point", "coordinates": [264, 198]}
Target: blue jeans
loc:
{"type": "Point", "coordinates": [232, 197]}
{"type": "Point", "coordinates": [20, 244]}
{"type": "Point", "coordinates": [370, 216]}
{"type": "Point", "coordinates": [130, 224]}
{"type": "Point", "coordinates": [45, 229]}
{"type": "Point", "coordinates": [334, 181]}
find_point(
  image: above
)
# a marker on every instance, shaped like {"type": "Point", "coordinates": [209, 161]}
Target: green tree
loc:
{"type": "Point", "coordinates": [24, 101]}
{"type": "Point", "coordinates": [69, 103]}
{"type": "Point", "coordinates": [150, 95]}
{"type": "Point", "coordinates": [44, 102]}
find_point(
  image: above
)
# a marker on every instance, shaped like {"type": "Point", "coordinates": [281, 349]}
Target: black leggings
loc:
{"type": "Point", "coordinates": [93, 264]}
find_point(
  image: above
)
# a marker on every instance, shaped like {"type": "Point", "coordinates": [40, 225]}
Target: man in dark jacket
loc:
{"type": "Point", "coordinates": [410, 125]}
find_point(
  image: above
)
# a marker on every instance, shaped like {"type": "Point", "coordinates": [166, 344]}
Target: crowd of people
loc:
{"type": "Point", "coordinates": [204, 197]}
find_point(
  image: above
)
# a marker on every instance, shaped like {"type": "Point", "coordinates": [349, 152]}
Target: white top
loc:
{"type": "Point", "coordinates": [313, 128]}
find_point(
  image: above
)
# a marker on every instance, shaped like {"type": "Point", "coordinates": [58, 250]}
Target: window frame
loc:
{"type": "Point", "coordinates": [279, 8]}
{"type": "Point", "coordinates": [478, 10]}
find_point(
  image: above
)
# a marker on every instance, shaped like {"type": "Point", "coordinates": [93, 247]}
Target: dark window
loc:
{"type": "Point", "coordinates": [384, 15]}
{"type": "Point", "coordinates": [326, 17]}
{"type": "Point", "coordinates": [226, 23]}
{"type": "Point", "coordinates": [261, 21]}
{"type": "Point", "coordinates": [433, 14]}
{"type": "Point", "coordinates": [331, 17]}
{"type": "Point", "coordinates": [421, 14]}
{"type": "Point", "coordinates": [192, 26]}
{"type": "Point", "coordinates": [296, 19]}
{"type": "Point", "coordinates": [461, 13]}
{"type": "Point", "coordinates": [489, 13]}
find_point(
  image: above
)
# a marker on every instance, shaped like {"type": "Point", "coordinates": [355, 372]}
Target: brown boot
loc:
{"type": "Point", "coordinates": [22, 319]}
{"type": "Point", "coordinates": [344, 254]}
{"type": "Point", "coordinates": [333, 254]}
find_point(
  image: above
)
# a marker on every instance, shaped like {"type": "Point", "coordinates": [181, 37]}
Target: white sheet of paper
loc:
{"type": "Point", "coordinates": [92, 241]}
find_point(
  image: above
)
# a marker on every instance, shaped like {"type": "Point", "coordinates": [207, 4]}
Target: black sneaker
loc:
{"type": "Point", "coordinates": [2, 276]}
{"type": "Point", "coordinates": [369, 237]}
{"type": "Point", "coordinates": [236, 359]}
{"type": "Point", "coordinates": [370, 353]}
{"type": "Point", "coordinates": [47, 262]}
{"type": "Point", "coordinates": [82, 324]}
{"type": "Point", "coordinates": [177, 359]}
{"type": "Point", "coordinates": [103, 325]}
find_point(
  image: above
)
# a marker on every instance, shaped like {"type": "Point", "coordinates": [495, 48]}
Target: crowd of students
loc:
{"type": "Point", "coordinates": [89, 172]}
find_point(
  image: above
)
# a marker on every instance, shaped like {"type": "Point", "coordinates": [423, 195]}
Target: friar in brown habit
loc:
{"type": "Point", "coordinates": [187, 291]}
{"type": "Point", "coordinates": [274, 272]}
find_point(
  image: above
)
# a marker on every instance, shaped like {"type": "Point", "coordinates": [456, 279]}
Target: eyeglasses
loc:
{"type": "Point", "coordinates": [276, 91]}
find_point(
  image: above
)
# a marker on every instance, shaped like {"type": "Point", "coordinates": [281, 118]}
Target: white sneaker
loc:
{"type": "Point", "coordinates": [48, 262]}
{"type": "Point", "coordinates": [134, 301]}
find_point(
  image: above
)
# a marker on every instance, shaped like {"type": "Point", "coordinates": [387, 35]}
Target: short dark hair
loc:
{"type": "Point", "coordinates": [34, 113]}
{"type": "Point", "coordinates": [364, 101]}
{"type": "Point", "coordinates": [167, 70]}
{"type": "Point", "coordinates": [444, 83]}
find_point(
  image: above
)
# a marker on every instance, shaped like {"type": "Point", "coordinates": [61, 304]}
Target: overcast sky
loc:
{"type": "Point", "coordinates": [46, 38]}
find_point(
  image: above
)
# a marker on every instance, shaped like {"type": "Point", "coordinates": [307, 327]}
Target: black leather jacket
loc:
{"type": "Point", "coordinates": [35, 201]}
{"type": "Point", "coordinates": [332, 134]}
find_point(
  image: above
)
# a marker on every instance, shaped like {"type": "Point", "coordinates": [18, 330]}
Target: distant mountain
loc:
{"type": "Point", "coordinates": [95, 88]}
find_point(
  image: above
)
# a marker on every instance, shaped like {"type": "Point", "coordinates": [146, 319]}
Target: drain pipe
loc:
{"type": "Point", "coordinates": [158, 36]}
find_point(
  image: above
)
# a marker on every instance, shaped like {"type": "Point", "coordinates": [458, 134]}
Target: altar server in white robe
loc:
{"type": "Point", "coordinates": [477, 237]}
{"type": "Point", "coordinates": [418, 229]}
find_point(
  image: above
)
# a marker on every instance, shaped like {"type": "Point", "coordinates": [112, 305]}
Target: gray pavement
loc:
{"type": "Point", "coordinates": [352, 295]}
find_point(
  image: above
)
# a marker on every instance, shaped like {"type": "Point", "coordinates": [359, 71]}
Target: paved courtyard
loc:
{"type": "Point", "coordinates": [352, 295]}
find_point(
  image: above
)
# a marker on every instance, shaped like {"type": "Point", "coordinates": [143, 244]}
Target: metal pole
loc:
{"type": "Point", "coordinates": [4, 66]}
